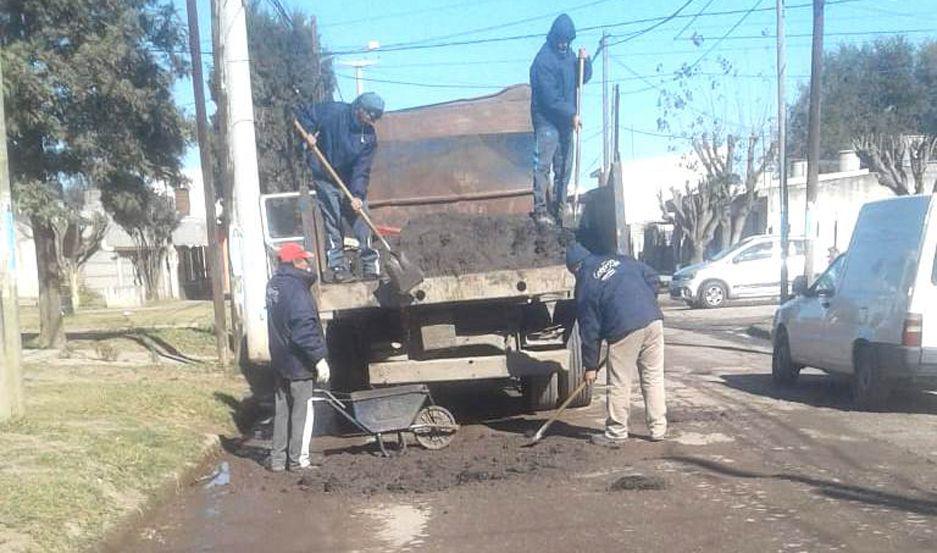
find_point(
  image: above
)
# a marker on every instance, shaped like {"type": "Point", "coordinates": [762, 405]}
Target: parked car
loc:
{"type": "Point", "coordinates": [872, 316]}
{"type": "Point", "coordinates": [750, 269]}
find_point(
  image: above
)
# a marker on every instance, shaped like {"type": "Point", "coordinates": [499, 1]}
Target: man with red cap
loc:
{"type": "Point", "coordinates": [297, 352]}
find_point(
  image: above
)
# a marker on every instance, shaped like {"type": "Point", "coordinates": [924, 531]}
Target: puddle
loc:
{"type": "Point", "coordinates": [696, 438]}
{"type": "Point", "coordinates": [221, 477]}
{"type": "Point", "coordinates": [399, 525]}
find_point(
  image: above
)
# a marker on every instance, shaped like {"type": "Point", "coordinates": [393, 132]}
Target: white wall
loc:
{"type": "Point", "coordinates": [645, 178]}
{"type": "Point", "coordinates": [27, 275]}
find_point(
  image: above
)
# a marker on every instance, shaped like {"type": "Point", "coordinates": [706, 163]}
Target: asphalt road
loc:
{"type": "Point", "coordinates": [748, 468]}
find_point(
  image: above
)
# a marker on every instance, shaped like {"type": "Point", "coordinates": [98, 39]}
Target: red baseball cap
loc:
{"type": "Point", "coordinates": [292, 251]}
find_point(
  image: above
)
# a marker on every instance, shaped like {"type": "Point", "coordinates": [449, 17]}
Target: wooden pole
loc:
{"type": "Point", "coordinates": [813, 139]}
{"type": "Point", "coordinates": [215, 258]}
{"type": "Point", "coordinates": [11, 375]}
{"type": "Point", "coordinates": [782, 152]}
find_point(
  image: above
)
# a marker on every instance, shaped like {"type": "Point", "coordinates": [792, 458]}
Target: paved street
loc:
{"type": "Point", "coordinates": [748, 468]}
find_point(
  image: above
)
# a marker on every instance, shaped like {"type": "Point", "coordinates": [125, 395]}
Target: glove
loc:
{"type": "Point", "coordinates": [322, 372]}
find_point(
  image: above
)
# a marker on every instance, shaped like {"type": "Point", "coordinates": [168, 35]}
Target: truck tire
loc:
{"type": "Point", "coordinates": [713, 294]}
{"type": "Point", "coordinates": [540, 392]}
{"type": "Point", "coordinates": [869, 390]}
{"type": "Point", "coordinates": [571, 378]}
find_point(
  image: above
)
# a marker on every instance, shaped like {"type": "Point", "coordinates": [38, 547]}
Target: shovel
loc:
{"type": "Point", "coordinates": [539, 435]}
{"type": "Point", "coordinates": [404, 275]}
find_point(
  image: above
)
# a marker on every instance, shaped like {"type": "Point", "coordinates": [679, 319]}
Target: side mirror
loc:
{"type": "Point", "coordinates": [826, 292]}
{"type": "Point", "coordinates": [799, 286]}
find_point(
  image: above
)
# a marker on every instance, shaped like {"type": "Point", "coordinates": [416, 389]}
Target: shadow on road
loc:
{"type": "Point", "coordinates": [819, 390]}
{"type": "Point", "coordinates": [926, 505]}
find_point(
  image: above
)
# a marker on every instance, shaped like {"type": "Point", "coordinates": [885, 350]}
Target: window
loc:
{"type": "Point", "coordinates": [828, 279]}
{"type": "Point", "coordinates": [755, 253]}
{"type": "Point", "coordinates": [283, 217]}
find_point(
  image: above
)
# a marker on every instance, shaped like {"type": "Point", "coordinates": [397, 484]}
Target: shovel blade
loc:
{"type": "Point", "coordinates": [404, 275]}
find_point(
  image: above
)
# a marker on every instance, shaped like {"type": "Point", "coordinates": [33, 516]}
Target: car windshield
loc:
{"type": "Point", "coordinates": [730, 249]}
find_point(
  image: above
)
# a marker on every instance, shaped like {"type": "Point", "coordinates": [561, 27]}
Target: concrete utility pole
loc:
{"type": "Point", "coordinates": [11, 375]}
{"type": "Point", "coordinates": [813, 139]}
{"type": "Point", "coordinates": [246, 242]}
{"type": "Point", "coordinates": [215, 256]}
{"type": "Point", "coordinates": [359, 66]}
{"type": "Point", "coordinates": [782, 151]}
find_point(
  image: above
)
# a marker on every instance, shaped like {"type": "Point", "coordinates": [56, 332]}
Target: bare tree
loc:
{"type": "Point", "coordinates": [696, 212]}
{"type": "Point", "coordinates": [898, 161]}
{"type": "Point", "coordinates": [77, 239]}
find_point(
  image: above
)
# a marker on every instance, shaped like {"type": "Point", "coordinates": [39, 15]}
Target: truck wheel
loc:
{"type": "Point", "coordinates": [712, 294]}
{"type": "Point", "coordinates": [783, 370]}
{"type": "Point", "coordinates": [869, 390]}
{"type": "Point", "coordinates": [571, 378]}
{"type": "Point", "coordinates": [540, 392]}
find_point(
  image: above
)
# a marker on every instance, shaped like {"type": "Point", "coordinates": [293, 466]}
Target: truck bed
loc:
{"type": "Point", "coordinates": [555, 282]}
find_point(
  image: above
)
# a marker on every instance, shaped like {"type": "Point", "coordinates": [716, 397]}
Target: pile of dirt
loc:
{"type": "Point", "coordinates": [456, 244]}
{"type": "Point", "coordinates": [417, 471]}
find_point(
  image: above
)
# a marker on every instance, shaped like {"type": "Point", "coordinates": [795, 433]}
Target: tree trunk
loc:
{"type": "Point", "coordinates": [738, 223]}
{"type": "Point", "coordinates": [696, 251]}
{"type": "Point", "coordinates": [74, 286]}
{"type": "Point", "coordinates": [51, 325]}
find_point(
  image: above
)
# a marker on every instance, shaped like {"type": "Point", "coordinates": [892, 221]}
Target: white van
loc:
{"type": "Point", "coordinates": [749, 269]}
{"type": "Point", "coordinates": [873, 314]}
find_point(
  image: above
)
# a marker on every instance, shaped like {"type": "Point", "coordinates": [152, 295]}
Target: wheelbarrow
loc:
{"type": "Point", "coordinates": [397, 409]}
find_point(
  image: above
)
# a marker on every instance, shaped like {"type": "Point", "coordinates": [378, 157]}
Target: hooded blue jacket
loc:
{"type": "Point", "coordinates": [295, 336]}
{"type": "Point", "coordinates": [554, 76]}
{"type": "Point", "coordinates": [615, 295]}
{"type": "Point", "coordinates": [348, 145]}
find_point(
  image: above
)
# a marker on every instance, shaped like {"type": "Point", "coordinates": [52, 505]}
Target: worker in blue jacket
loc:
{"type": "Point", "coordinates": [298, 355]}
{"type": "Point", "coordinates": [554, 77]}
{"type": "Point", "coordinates": [616, 301]}
{"type": "Point", "coordinates": [345, 135]}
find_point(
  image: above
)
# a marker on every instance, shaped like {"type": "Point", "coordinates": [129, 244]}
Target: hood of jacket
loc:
{"type": "Point", "coordinates": [308, 278]}
{"type": "Point", "coordinates": [562, 30]}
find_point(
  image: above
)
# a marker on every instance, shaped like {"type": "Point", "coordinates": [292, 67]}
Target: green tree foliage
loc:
{"type": "Point", "coordinates": [88, 94]}
{"type": "Point", "coordinates": [887, 87]}
{"type": "Point", "coordinates": [286, 70]}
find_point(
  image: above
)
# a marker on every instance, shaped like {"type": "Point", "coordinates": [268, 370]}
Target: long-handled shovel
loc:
{"type": "Point", "coordinates": [539, 434]}
{"type": "Point", "coordinates": [578, 131]}
{"type": "Point", "coordinates": [404, 275]}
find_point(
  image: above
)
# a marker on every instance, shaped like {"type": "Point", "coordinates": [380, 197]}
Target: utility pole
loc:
{"type": "Point", "coordinates": [605, 107]}
{"type": "Point", "coordinates": [782, 152]}
{"type": "Point", "coordinates": [11, 375]}
{"type": "Point", "coordinates": [813, 139]}
{"type": "Point", "coordinates": [215, 257]}
{"type": "Point", "coordinates": [359, 66]}
{"type": "Point", "coordinates": [246, 243]}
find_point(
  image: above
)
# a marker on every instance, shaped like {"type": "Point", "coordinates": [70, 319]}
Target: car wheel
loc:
{"type": "Point", "coordinates": [712, 294]}
{"type": "Point", "coordinates": [869, 390]}
{"type": "Point", "coordinates": [783, 370]}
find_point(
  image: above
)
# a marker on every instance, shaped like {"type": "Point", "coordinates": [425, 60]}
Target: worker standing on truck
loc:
{"type": "Point", "coordinates": [554, 78]}
{"type": "Point", "coordinates": [616, 301]}
{"type": "Point", "coordinates": [297, 353]}
{"type": "Point", "coordinates": [345, 135]}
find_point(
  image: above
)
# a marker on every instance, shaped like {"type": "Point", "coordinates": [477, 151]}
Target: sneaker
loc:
{"type": "Point", "coordinates": [302, 468]}
{"type": "Point", "coordinates": [274, 467]}
{"type": "Point", "coordinates": [341, 274]}
{"type": "Point", "coordinates": [605, 441]}
{"type": "Point", "coordinates": [657, 437]}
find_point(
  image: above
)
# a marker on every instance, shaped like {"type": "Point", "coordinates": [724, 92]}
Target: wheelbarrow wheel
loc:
{"type": "Point", "coordinates": [434, 427]}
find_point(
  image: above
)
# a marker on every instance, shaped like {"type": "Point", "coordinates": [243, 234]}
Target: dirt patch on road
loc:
{"type": "Point", "coordinates": [482, 458]}
{"type": "Point", "coordinates": [456, 244]}
{"type": "Point", "coordinates": [637, 482]}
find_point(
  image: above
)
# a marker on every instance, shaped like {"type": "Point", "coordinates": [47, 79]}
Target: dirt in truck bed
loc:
{"type": "Point", "coordinates": [455, 244]}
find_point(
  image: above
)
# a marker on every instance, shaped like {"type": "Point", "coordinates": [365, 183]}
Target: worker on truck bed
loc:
{"type": "Point", "coordinates": [554, 77]}
{"type": "Point", "coordinates": [616, 301]}
{"type": "Point", "coordinates": [345, 135]}
{"type": "Point", "coordinates": [297, 353]}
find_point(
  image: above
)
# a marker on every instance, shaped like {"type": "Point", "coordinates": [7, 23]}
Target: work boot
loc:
{"type": "Point", "coordinates": [341, 274]}
{"type": "Point", "coordinates": [296, 467]}
{"type": "Point", "coordinates": [274, 467]}
{"type": "Point", "coordinates": [368, 275]}
{"type": "Point", "coordinates": [605, 441]}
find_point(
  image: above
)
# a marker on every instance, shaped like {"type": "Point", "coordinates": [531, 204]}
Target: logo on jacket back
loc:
{"type": "Point", "coordinates": [606, 270]}
{"type": "Point", "coordinates": [273, 295]}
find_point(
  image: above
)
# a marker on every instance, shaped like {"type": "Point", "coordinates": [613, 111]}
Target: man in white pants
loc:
{"type": "Point", "coordinates": [616, 301]}
{"type": "Point", "coordinates": [297, 353]}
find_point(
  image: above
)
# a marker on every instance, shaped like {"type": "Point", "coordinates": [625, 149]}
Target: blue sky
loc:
{"type": "Point", "coordinates": [642, 65]}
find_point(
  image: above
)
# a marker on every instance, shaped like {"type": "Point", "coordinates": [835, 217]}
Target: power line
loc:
{"type": "Point", "coordinates": [726, 34]}
{"type": "Point", "coordinates": [403, 46]}
{"type": "Point", "coordinates": [693, 19]}
{"type": "Point", "coordinates": [406, 14]}
{"type": "Point", "coordinates": [278, 7]}
{"type": "Point", "coordinates": [646, 30]}
{"type": "Point", "coordinates": [843, 33]}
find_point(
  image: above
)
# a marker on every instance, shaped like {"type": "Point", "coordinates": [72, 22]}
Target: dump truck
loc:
{"type": "Point", "coordinates": [468, 156]}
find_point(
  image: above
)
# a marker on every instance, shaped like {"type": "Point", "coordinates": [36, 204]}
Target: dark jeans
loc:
{"type": "Point", "coordinates": [552, 148]}
{"type": "Point", "coordinates": [292, 422]}
{"type": "Point", "coordinates": [336, 208]}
